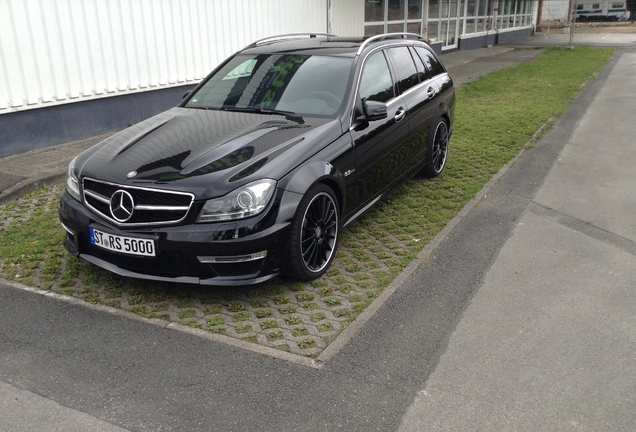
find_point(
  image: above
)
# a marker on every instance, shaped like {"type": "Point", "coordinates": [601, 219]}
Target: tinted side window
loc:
{"type": "Point", "coordinates": [404, 68]}
{"type": "Point", "coordinates": [432, 64]}
{"type": "Point", "coordinates": [376, 83]}
{"type": "Point", "coordinates": [421, 69]}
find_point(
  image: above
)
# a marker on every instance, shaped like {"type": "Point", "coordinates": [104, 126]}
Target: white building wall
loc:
{"type": "Point", "coordinates": [347, 17]}
{"type": "Point", "coordinates": [60, 51]}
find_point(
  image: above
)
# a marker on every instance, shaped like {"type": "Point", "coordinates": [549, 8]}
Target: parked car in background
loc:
{"type": "Point", "coordinates": [261, 166]}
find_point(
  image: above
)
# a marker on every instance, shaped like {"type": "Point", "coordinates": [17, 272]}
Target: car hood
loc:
{"type": "Point", "coordinates": [208, 153]}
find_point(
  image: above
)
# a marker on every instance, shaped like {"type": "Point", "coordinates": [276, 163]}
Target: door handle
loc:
{"type": "Point", "coordinates": [430, 92]}
{"type": "Point", "coordinates": [399, 114]}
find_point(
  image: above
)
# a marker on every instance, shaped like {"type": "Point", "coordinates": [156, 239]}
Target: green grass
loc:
{"type": "Point", "coordinates": [496, 117]}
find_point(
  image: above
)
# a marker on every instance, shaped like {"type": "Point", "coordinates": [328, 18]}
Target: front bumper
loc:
{"type": "Point", "coordinates": [205, 254]}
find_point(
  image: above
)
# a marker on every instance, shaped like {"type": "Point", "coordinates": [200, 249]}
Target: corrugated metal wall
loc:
{"type": "Point", "coordinates": [60, 51]}
{"type": "Point", "coordinates": [347, 17]}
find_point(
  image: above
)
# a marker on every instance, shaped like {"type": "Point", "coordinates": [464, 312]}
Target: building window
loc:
{"type": "Point", "coordinates": [392, 16]}
{"type": "Point", "coordinates": [374, 11]}
{"type": "Point", "coordinates": [445, 20]}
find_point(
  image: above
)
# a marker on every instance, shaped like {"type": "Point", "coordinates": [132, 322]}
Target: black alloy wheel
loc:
{"type": "Point", "coordinates": [437, 151]}
{"type": "Point", "coordinates": [314, 234]}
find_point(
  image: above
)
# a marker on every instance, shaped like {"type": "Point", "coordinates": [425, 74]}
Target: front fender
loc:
{"type": "Point", "coordinates": [299, 181]}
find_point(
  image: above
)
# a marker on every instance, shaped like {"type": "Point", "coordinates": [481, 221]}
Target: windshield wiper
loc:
{"type": "Point", "coordinates": [290, 115]}
{"type": "Point", "coordinates": [259, 110]}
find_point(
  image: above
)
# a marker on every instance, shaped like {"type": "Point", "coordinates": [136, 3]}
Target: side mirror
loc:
{"type": "Point", "coordinates": [374, 110]}
{"type": "Point", "coordinates": [186, 94]}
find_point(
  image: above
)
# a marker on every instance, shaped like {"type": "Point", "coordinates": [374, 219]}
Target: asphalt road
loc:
{"type": "Point", "coordinates": [94, 368]}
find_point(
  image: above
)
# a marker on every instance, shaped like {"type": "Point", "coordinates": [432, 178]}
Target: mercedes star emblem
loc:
{"type": "Point", "coordinates": [122, 205]}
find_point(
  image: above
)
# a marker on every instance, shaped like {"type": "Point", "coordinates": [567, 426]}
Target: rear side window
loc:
{"type": "Point", "coordinates": [376, 83]}
{"type": "Point", "coordinates": [431, 62]}
{"type": "Point", "coordinates": [404, 68]}
{"type": "Point", "coordinates": [422, 72]}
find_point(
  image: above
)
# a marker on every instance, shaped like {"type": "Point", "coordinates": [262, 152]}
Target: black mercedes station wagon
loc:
{"type": "Point", "coordinates": [259, 168]}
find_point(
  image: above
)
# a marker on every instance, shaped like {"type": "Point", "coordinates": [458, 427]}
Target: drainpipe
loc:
{"type": "Point", "coordinates": [329, 16]}
{"type": "Point", "coordinates": [495, 27]}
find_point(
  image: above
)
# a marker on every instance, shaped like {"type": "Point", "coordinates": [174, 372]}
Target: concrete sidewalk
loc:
{"type": "Point", "coordinates": [549, 340]}
{"type": "Point", "coordinates": [24, 172]}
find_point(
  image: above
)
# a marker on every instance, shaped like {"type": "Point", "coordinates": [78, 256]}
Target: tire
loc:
{"type": "Point", "coordinates": [436, 151]}
{"type": "Point", "coordinates": [314, 234]}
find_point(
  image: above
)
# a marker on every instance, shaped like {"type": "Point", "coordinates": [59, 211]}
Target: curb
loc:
{"type": "Point", "coordinates": [29, 185]}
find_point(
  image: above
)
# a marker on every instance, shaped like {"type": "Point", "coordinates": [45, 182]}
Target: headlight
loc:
{"type": "Point", "coordinates": [72, 183]}
{"type": "Point", "coordinates": [248, 200]}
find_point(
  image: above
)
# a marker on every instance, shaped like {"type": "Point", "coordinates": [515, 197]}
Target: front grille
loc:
{"type": "Point", "coordinates": [151, 206]}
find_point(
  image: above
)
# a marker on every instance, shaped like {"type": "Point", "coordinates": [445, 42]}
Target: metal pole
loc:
{"type": "Point", "coordinates": [573, 24]}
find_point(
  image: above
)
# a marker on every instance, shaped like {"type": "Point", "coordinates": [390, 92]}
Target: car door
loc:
{"type": "Point", "coordinates": [375, 142]}
{"type": "Point", "coordinates": [419, 93]}
{"type": "Point", "coordinates": [439, 79]}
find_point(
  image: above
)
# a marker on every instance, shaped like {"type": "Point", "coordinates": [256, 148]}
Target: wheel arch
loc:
{"type": "Point", "coordinates": [446, 117]}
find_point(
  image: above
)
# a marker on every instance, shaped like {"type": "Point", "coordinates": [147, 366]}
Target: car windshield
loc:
{"type": "Point", "coordinates": [289, 84]}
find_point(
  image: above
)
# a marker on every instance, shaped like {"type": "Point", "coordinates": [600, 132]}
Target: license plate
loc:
{"type": "Point", "coordinates": [122, 244]}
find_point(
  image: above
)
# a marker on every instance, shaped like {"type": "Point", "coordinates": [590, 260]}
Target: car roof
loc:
{"type": "Point", "coordinates": [325, 44]}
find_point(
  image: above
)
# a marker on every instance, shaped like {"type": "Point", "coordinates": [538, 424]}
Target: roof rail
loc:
{"type": "Point", "coordinates": [286, 36]}
{"type": "Point", "coordinates": [388, 36]}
